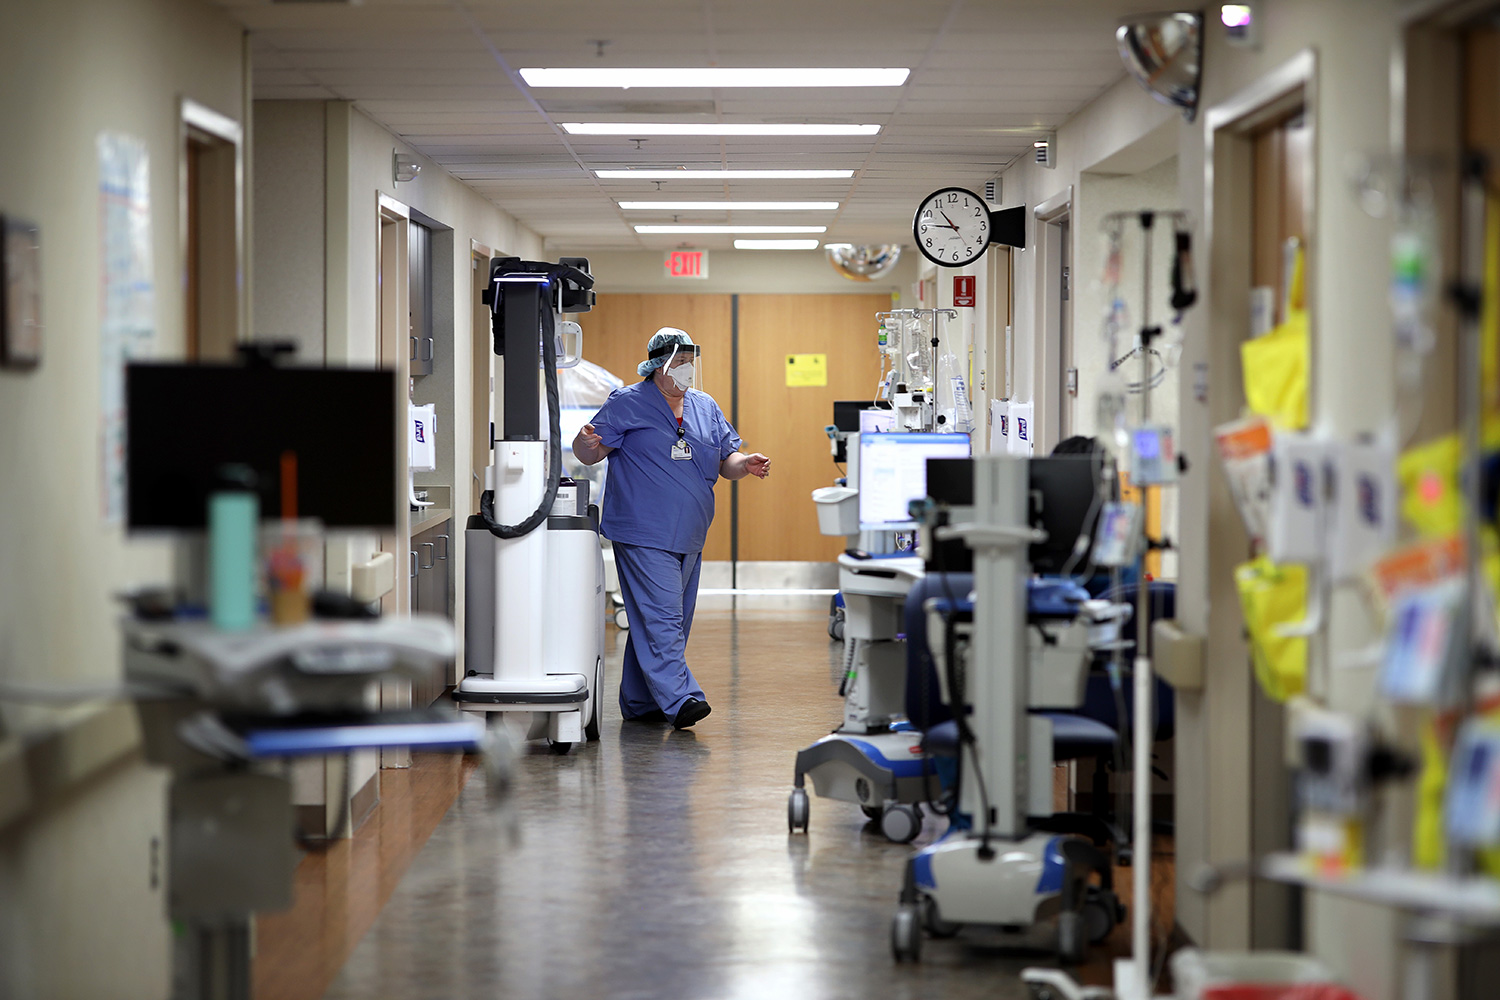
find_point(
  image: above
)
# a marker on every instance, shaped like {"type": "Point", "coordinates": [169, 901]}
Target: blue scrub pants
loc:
{"type": "Point", "coordinates": [660, 589]}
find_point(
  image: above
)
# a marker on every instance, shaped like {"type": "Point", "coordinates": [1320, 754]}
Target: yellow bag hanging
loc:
{"type": "Point", "coordinates": [1272, 595]}
{"type": "Point", "coordinates": [1430, 498]}
{"type": "Point", "coordinates": [1427, 831]}
{"type": "Point", "coordinates": [1276, 364]}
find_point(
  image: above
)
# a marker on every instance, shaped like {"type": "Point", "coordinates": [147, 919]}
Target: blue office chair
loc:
{"type": "Point", "coordinates": [1091, 732]}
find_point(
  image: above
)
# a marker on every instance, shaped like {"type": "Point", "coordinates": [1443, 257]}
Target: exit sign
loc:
{"type": "Point", "coordinates": [687, 264]}
{"type": "Point", "coordinates": [963, 289]}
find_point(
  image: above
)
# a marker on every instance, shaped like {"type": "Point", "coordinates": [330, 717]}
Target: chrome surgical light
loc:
{"type": "Point", "coordinates": [1164, 52]}
{"type": "Point", "coordinates": [865, 263]}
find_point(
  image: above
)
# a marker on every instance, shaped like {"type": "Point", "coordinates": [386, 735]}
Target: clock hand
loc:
{"type": "Point", "coordinates": [950, 221]}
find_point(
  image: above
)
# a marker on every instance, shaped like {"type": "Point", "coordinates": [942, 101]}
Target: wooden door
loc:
{"type": "Point", "coordinates": [615, 333]}
{"type": "Point", "coordinates": [777, 520]}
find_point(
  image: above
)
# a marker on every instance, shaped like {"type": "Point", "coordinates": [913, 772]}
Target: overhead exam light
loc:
{"type": "Point", "coordinates": [1164, 52]}
{"type": "Point", "coordinates": [865, 263]}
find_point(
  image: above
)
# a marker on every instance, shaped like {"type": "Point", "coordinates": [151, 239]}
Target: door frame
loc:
{"type": "Point", "coordinates": [1242, 762]}
{"type": "Point", "coordinates": [211, 257]}
{"type": "Point", "coordinates": [1052, 254]}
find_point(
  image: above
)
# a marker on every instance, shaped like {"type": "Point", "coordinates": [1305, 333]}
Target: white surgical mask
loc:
{"type": "Point", "coordinates": [682, 376]}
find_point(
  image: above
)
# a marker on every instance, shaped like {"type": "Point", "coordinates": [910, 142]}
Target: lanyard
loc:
{"type": "Point", "coordinates": [680, 432]}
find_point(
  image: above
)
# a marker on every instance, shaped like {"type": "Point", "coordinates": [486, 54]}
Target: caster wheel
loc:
{"type": "Point", "coordinates": [1102, 912]}
{"type": "Point", "coordinates": [596, 710]}
{"type": "Point", "coordinates": [901, 823]}
{"type": "Point", "coordinates": [797, 809]}
{"type": "Point", "coordinates": [906, 935]}
{"type": "Point", "coordinates": [559, 748]}
{"type": "Point", "coordinates": [933, 921]}
{"type": "Point", "coordinates": [621, 621]}
{"type": "Point", "coordinates": [1071, 943]}
{"type": "Point", "coordinates": [872, 812]}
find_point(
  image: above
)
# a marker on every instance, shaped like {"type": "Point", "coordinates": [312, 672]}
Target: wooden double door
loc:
{"type": "Point", "coordinates": [746, 341]}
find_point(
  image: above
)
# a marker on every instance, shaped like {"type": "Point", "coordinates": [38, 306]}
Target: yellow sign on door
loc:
{"type": "Point", "coordinates": [806, 370]}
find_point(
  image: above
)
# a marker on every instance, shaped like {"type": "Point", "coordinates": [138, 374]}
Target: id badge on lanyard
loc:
{"type": "Point", "coordinates": [681, 451]}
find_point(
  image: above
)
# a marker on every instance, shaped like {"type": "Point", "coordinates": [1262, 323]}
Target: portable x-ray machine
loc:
{"type": "Point", "coordinates": [534, 628]}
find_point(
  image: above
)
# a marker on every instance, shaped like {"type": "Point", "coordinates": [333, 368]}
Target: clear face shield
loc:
{"type": "Point", "coordinates": [682, 366]}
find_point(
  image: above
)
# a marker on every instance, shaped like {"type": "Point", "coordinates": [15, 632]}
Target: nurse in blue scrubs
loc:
{"type": "Point", "coordinates": [668, 444]}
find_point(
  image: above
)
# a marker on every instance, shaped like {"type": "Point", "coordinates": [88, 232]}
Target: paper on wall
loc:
{"type": "Point", "coordinates": [1022, 429]}
{"type": "Point", "coordinates": [1298, 513]}
{"type": "Point", "coordinates": [1245, 451]}
{"type": "Point", "coordinates": [128, 299]}
{"type": "Point", "coordinates": [999, 426]}
{"type": "Point", "coordinates": [1365, 507]}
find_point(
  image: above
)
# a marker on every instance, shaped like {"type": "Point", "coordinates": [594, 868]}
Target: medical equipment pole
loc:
{"type": "Point", "coordinates": [1140, 923]}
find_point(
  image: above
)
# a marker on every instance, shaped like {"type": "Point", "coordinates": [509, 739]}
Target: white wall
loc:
{"type": "Point", "coordinates": [290, 205]}
{"type": "Point", "coordinates": [1119, 118]}
{"type": "Point", "coordinates": [745, 272]}
{"type": "Point", "coordinates": [78, 914]}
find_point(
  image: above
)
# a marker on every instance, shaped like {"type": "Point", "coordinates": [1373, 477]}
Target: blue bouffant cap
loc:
{"type": "Point", "coordinates": [665, 337]}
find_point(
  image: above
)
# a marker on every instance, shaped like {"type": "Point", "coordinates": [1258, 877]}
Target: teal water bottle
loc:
{"type": "Point", "coordinates": [233, 523]}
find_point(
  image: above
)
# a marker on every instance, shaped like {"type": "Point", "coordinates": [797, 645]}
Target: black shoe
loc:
{"type": "Point", "coordinates": [691, 711]}
{"type": "Point", "coordinates": [654, 717]}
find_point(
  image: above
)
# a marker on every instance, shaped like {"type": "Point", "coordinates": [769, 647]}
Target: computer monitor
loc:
{"type": "Point", "coordinates": [893, 472]}
{"type": "Point", "coordinates": [184, 423]}
{"type": "Point", "coordinates": [846, 412]}
{"type": "Point", "coordinates": [1063, 491]}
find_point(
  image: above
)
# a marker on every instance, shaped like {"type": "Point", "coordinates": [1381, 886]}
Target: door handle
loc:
{"type": "Point", "coordinates": [413, 356]}
{"type": "Point", "coordinates": [431, 549]}
{"type": "Point", "coordinates": [427, 342]}
{"type": "Point", "coordinates": [413, 564]}
{"type": "Point", "coordinates": [444, 556]}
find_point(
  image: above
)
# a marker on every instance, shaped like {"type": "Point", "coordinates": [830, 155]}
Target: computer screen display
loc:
{"type": "Point", "coordinates": [1065, 504]}
{"type": "Point", "coordinates": [893, 472]}
{"type": "Point", "coordinates": [184, 423]}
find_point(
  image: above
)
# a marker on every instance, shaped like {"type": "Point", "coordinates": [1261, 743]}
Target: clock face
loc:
{"type": "Point", "coordinates": [952, 227]}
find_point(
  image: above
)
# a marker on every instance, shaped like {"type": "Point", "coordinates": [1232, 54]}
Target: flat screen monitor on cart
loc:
{"type": "Point", "coordinates": [893, 472]}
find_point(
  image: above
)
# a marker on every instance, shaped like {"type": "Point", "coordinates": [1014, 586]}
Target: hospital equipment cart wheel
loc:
{"type": "Point", "coordinates": [797, 808]}
{"type": "Point", "coordinates": [906, 935]}
{"type": "Point", "coordinates": [591, 731]}
{"type": "Point", "coordinates": [901, 823]}
{"type": "Point", "coordinates": [934, 922]}
{"type": "Point", "coordinates": [621, 621]}
{"type": "Point", "coordinates": [872, 812]}
{"type": "Point", "coordinates": [559, 747]}
{"type": "Point", "coordinates": [1071, 942]}
{"type": "Point", "coordinates": [1101, 912]}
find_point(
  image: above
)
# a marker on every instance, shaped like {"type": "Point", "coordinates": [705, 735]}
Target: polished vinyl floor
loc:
{"type": "Point", "coordinates": [651, 864]}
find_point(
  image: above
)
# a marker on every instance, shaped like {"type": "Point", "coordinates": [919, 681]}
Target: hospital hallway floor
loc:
{"type": "Point", "coordinates": [650, 864]}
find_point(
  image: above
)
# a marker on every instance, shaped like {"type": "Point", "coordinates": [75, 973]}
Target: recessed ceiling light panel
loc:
{"type": "Point", "coordinates": [723, 175]}
{"type": "Point", "coordinates": [730, 206]}
{"type": "Point", "coordinates": [715, 76]}
{"type": "Point", "coordinates": [776, 244]}
{"type": "Point", "coordinates": [634, 129]}
{"type": "Point", "coordinates": [730, 230]}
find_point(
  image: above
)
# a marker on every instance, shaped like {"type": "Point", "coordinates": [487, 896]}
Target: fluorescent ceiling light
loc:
{"type": "Point", "coordinates": [716, 76]}
{"type": "Point", "coordinates": [731, 229]}
{"type": "Point", "coordinates": [776, 244]}
{"type": "Point", "coordinates": [723, 175]}
{"type": "Point", "coordinates": [711, 128]}
{"type": "Point", "coordinates": [730, 206]}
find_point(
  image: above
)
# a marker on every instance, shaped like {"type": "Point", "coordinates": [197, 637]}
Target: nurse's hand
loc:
{"type": "Point", "coordinates": [758, 465]}
{"type": "Point", "coordinates": [588, 446]}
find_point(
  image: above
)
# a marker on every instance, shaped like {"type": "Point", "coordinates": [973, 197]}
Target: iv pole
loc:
{"type": "Point", "coordinates": [1133, 979]}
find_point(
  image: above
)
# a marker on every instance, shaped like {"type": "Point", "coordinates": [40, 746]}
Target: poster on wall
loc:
{"type": "Point", "coordinates": [1021, 429]}
{"type": "Point", "coordinates": [127, 298]}
{"type": "Point", "coordinates": [999, 426]}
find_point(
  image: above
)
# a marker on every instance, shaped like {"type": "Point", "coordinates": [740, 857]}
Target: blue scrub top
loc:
{"type": "Point", "coordinates": [651, 498]}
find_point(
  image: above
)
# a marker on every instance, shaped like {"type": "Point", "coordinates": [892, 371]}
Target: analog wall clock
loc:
{"type": "Point", "coordinates": [953, 227]}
